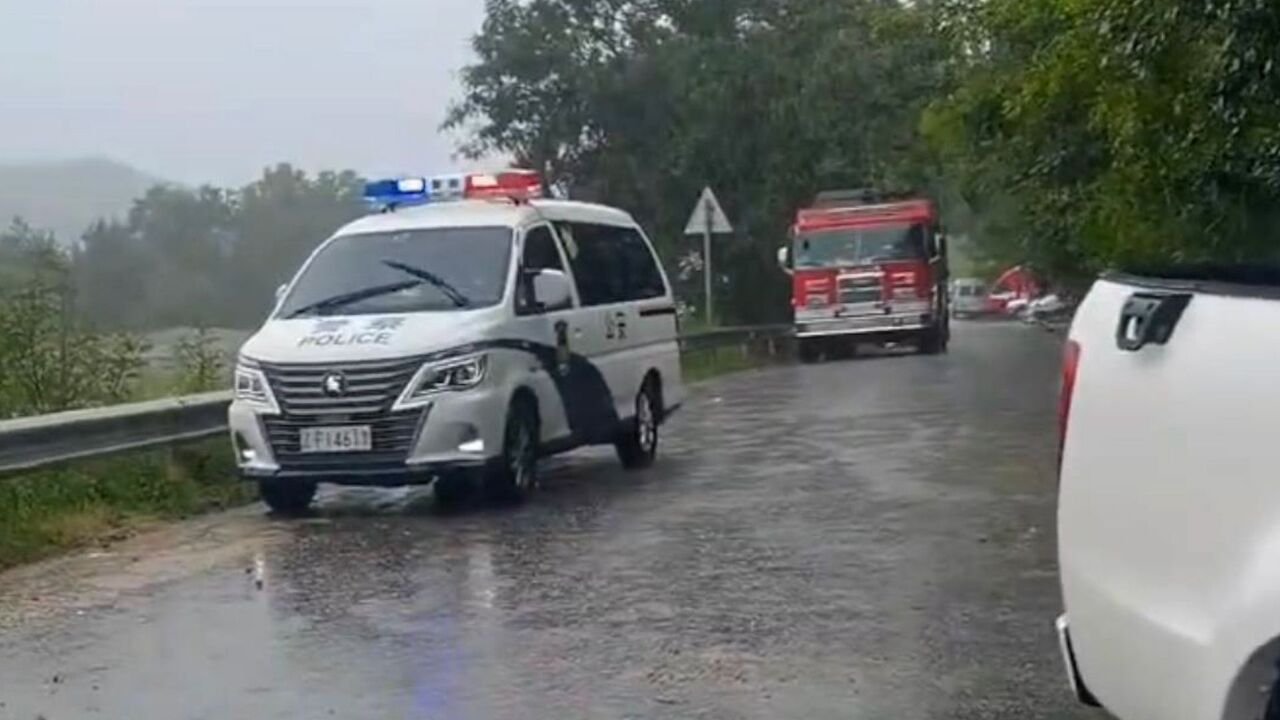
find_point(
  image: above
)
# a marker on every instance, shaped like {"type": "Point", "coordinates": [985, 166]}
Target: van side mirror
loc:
{"type": "Point", "coordinates": [784, 259]}
{"type": "Point", "coordinates": [551, 290]}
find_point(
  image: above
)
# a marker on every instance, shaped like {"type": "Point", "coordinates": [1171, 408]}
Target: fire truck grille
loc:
{"type": "Point", "coordinates": [855, 290]}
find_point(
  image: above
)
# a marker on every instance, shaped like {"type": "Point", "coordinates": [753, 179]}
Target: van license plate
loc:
{"type": "Point", "coordinates": [347, 438]}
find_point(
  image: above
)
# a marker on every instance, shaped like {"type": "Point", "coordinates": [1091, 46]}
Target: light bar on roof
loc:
{"type": "Point", "coordinates": [512, 184]}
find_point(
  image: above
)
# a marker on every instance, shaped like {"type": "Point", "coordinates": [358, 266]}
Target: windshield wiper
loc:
{"type": "Point", "coordinates": [438, 282]}
{"type": "Point", "coordinates": [354, 296]}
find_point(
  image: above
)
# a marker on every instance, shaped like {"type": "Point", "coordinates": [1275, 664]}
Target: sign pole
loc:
{"type": "Point", "coordinates": [708, 218]}
{"type": "Point", "coordinates": [706, 260]}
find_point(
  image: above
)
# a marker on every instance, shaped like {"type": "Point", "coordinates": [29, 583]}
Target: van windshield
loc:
{"type": "Point", "coordinates": [438, 269]}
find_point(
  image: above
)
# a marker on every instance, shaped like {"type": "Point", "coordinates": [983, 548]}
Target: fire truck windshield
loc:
{"type": "Point", "coordinates": [860, 245]}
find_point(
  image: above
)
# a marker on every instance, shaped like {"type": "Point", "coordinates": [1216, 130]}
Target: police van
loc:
{"type": "Point", "coordinates": [467, 329]}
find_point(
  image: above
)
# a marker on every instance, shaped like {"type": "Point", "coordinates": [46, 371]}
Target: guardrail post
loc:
{"type": "Point", "coordinates": [176, 466]}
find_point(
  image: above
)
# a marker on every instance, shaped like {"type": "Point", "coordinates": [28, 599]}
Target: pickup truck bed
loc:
{"type": "Point", "coordinates": [1169, 504]}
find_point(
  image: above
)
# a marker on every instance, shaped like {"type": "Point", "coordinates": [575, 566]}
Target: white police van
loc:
{"type": "Point", "coordinates": [459, 335]}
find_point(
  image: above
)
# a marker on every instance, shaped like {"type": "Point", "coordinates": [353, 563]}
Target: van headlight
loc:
{"type": "Point", "coordinates": [251, 387]}
{"type": "Point", "coordinates": [445, 376]}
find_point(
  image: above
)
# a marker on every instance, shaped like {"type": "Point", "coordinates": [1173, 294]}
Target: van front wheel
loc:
{"type": "Point", "coordinates": [637, 443]}
{"type": "Point", "coordinates": [516, 475]}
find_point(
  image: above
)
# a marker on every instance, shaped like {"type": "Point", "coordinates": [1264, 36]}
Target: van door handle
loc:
{"type": "Point", "coordinates": [1149, 318]}
{"type": "Point", "coordinates": [622, 324]}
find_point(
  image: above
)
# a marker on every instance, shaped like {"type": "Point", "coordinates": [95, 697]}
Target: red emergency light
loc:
{"type": "Point", "coordinates": [512, 184]}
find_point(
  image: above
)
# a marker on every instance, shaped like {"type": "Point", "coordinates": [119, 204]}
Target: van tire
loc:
{"type": "Point", "coordinates": [515, 473]}
{"type": "Point", "coordinates": [637, 442]}
{"type": "Point", "coordinates": [1272, 711]}
{"type": "Point", "coordinates": [287, 497]}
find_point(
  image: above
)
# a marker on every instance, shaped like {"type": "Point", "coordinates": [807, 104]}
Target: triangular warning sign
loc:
{"type": "Point", "coordinates": [708, 207]}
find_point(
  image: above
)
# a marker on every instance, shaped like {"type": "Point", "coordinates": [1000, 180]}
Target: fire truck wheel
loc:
{"type": "Point", "coordinates": [932, 341]}
{"type": "Point", "coordinates": [809, 351]}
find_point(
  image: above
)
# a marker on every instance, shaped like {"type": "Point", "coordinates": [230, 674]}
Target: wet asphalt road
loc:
{"type": "Point", "coordinates": [862, 539]}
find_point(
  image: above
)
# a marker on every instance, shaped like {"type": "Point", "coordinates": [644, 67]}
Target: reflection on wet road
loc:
{"type": "Point", "coordinates": [867, 539]}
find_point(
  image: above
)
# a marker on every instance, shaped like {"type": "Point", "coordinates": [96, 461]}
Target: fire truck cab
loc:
{"type": "Point", "coordinates": [867, 268]}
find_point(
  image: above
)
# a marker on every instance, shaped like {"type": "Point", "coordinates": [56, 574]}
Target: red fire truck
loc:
{"type": "Point", "coordinates": [867, 268]}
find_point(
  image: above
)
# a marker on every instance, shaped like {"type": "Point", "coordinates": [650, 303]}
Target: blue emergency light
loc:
{"type": "Point", "coordinates": [399, 191]}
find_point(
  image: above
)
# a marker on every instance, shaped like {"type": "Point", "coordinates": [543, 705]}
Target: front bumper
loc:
{"type": "Point", "coordinates": [1074, 680]}
{"type": "Point", "coordinates": [459, 430]}
{"type": "Point", "coordinates": [864, 325]}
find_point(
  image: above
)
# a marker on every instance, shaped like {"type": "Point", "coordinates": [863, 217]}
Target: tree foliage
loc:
{"type": "Point", "coordinates": [208, 256]}
{"type": "Point", "coordinates": [48, 360]}
{"type": "Point", "coordinates": [641, 103]}
{"type": "Point", "coordinates": [201, 364]}
{"type": "Point", "coordinates": [1091, 133]}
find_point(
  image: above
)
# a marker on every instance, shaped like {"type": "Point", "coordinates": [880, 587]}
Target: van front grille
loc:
{"type": "Point", "coordinates": [393, 437]}
{"type": "Point", "coordinates": [366, 387]}
{"type": "Point", "coordinates": [367, 391]}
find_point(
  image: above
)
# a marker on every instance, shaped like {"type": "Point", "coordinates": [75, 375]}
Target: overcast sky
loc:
{"type": "Point", "coordinates": [213, 90]}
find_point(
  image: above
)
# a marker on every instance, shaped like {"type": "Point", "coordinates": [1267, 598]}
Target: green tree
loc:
{"type": "Point", "coordinates": [1093, 134]}
{"type": "Point", "coordinates": [201, 364]}
{"type": "Point", "coordinates": [29, 254]}
{"type": "Point", "coordinates": [280, 219]}
{"type": "Point", "coordinates": [641, 104]}
{"type": "Point", "coordinates": [209, 256]}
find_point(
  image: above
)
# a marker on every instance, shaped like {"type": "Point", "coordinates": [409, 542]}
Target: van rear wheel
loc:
{"type": "Point", "coordinates": [637, 443]}
{"type": "Point", "coordinates": [287, 497]}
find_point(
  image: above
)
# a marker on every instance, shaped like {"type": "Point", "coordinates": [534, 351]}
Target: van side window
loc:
{"type": "Point", "coordinates": [540, 250]}
{"type": "Point", "coordinates": [643, 279]}
{"type": "Point", "coordinates": [597, 270]}
{"type": "Point", "coordinates": [611, 264]}
{"type": "Point", "coordinates": [539, 254]}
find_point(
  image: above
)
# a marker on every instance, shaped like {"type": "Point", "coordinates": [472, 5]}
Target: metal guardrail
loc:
{"type": "Point", "coordinates": [720, 337]}
{"type": "Point", "coordinates": [39, 441]}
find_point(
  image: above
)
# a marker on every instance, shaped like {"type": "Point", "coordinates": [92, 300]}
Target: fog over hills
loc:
{"type": "Point", "coordinates": [66, 196]}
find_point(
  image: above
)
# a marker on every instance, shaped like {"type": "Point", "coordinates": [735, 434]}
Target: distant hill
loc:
{"type": "Point", "coordinates": [67, 196]}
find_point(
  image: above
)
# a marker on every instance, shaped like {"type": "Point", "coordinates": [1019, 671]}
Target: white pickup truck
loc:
{"type": "Point", "coordinates": [1169, 498]}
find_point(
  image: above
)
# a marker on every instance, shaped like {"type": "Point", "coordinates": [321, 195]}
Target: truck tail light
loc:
{"type": "Point", "coordinates": [1070, 363]}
